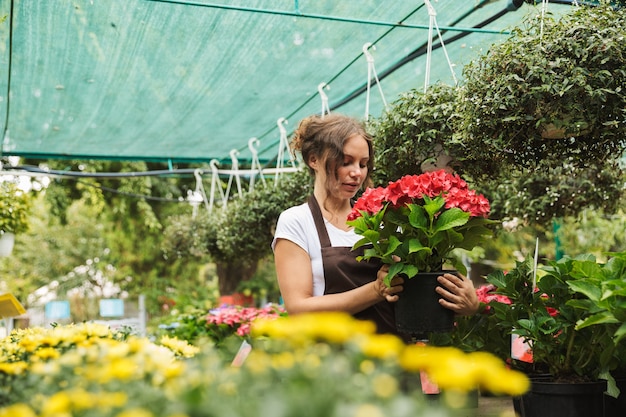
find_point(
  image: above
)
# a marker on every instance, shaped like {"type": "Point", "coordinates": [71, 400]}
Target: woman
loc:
{"type": "Point", "coordinates": [315, 265]}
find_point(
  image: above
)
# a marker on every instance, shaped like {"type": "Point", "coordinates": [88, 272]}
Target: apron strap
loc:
{"type": "Point", "coordinates": [319, 222]}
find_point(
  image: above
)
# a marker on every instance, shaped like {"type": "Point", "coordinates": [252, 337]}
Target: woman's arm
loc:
{"type": "Point", "coordinates": [295, 279]}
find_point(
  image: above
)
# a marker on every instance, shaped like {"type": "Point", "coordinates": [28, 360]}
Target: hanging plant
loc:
{"type": "Point", "coordinates": [420, 133]}
{"type": "Point", "coordinates": [554, 90]}
{"type": "Point", "coordinates": [15, 205]}
{"type": "Point", "coordinates": [549, 193]}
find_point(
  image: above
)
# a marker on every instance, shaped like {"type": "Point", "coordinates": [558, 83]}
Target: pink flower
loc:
{"type": "Point", "coordinates": [485, 295]}
{"type": "Point", "coordinates": [239, 318]}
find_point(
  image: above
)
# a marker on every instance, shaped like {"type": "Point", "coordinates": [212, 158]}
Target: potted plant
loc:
{"type": "Point", "coordinates": [604, 286]}
{"type": "Point", "coordinates": [421, 132]}
{"type": "Point", "coordinates": [15, 205]}
{"type": "Point", "coordinates": [414, 225]}
{"type": "Point", "coordinates": [563, 358]}
{"type": "Point", "coordinates": [564, 74]}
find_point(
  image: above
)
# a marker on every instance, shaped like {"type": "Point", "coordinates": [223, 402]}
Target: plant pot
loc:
{"type": "Point", "coordinates": [237, 299]}
{"type": "Point", "coordinates": [7, 241]}
{"type": "Point", "coordinates": [550, 131]}
{"type": "Point", "coordinates": [561, 399]}
{"type": "Point", "coordinates": [418, 311]}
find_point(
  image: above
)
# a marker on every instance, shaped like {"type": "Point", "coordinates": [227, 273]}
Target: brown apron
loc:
{"type": "Point", "coordinates": [342, 272]}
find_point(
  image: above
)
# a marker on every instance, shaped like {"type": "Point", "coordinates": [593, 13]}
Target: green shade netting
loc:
{"type": "Point", "coordinates": [193, 81]}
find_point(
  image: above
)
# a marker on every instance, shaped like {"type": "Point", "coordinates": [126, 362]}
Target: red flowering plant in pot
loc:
{"type": "Point", "coordinates": [414, 225]}
{"type": "Point", "coordinates": [420, 219]}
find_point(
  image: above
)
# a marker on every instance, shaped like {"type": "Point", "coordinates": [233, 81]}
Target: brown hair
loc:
{"type": "Point", "coordinates": [324, 137]}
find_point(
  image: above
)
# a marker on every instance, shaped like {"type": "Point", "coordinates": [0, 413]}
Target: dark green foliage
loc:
{"type": "Point", "coordinates": [418, 127]}
{"type": "Point", "coordinates": [568, 72]}
{"type": "Point", "coordinates": [547, 317]}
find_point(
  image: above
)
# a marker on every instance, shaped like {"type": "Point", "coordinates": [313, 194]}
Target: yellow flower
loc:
{"type": "Point", "coordinates": [368, 410]}
{"type": "Point", "coordinates": [283, 360]}
{"type": "Point", "coordinates": [14, 368]}
{"type": "Point", "coordinates": [17, 410]}
{"type": "Point", "coordinates": [110, 399]}
{"type": "Point", "coordinates": [121, 369]}
{"type": "Point", "coordinates": [381, 346]}
{"type": "Point", "coordinates": [135, 412]}
{"type": "Point", "coordinates": [58, 403]}
{"type": "Point", "coordinates": [507, 382]}
{"type": "Point", "coordinates": [367, 366]}
{"type": "Point", "coordinates": [45, 368]}
{"type": "Point", "coordinates": [385, 385]}
{"type": "Point", "coordinates": [333, 327]}
{"type": "Point", "coordinates": [46, 353]}
{"type": "Point", "coordinates": [179, 347]}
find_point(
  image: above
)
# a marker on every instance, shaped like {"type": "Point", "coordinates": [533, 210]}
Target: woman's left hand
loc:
{"type": "Point", "coordinates": [459, 294]}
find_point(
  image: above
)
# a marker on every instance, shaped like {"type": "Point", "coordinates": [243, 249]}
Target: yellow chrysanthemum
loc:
{"type": "Point", "coordinates": [381, 346]}
{"type": "Point", "coordinates": [283, 360]}
{"type": "Point", "coordinates": [135, 412]}
{"type": "Point", "coordinates": [507, 382]}
{"type": "Point", "coordinates": [14, 368]}
{"type": "Point", "coordinates": [333, 327]}
{"type": "Point", "coordinates": [46, 353]}
{"type": "Point", "coordinates": [179, 347]}
{"type": "Point", "coordinates": [367, 367]}
{"type": "Point", "coordinates": [257, 362]}
{"type": "Point", "coordinates": [110, 399]}
{"type": "Point", "coordinates": [58, 403]}
{"type": "Point", "coordinates": [119, 369]}
{"type": "Point", "coordinates": [368, 410]}
{"type": "Point", "coordinates": [17, 410]}
{"type": "Point", "coordinates": [385, 385]}
{"type": "Point", "coordinates": [45, 368]}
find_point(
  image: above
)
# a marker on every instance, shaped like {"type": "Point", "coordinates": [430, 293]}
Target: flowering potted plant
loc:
{"type": "Point", "coordinates": [414, 224]}
{"type": "Point", "coordinates": [547, 312]}
{"type": "Point", "coordinates": [420, 219]}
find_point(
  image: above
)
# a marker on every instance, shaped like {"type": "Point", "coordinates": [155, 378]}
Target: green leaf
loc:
{"type": "Point", "coordinates": [451, 218]}
{"type": "Point", "coordinates": [590, 290]}
{"type": "Point", "coordinates": [601, 318]}
{"type": "Point", "coordinates": [433, 206]}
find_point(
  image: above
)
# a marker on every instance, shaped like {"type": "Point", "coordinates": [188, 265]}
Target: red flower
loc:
{"type": "Point", "coordinates": [411, 189]}
{"type": "Point", "coordinates": [404, 220]}
{"type": "Point", "coordinates": [371, 202]}
{"type": "Point", "coordinates": [553, 312]}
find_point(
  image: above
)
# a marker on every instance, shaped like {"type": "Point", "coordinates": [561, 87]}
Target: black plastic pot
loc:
{"type": "Point", "coordinates": [418, 311]}
{"type": "Point", "coordinates": [561, 399]}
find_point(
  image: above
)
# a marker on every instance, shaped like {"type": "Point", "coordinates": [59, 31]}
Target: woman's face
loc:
{"type": "Point", "coordinates": [352, 171]}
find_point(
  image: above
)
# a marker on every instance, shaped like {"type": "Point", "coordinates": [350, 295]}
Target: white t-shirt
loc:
{"type": "Point", "coordinates": [297, 225]}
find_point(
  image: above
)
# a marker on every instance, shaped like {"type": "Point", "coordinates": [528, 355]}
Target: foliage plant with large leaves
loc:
{"type": "Point", "coordinates": [546, 311]}
{"type": "Point", "coordinates": [604, 286]}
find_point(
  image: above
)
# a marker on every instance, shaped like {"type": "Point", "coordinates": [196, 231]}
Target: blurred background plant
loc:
{"type": "Point", "coordinates": [317, 365]}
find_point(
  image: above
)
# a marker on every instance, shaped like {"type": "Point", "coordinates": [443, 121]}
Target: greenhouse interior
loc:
{"type": "Point", "coordinates": [312, 208]}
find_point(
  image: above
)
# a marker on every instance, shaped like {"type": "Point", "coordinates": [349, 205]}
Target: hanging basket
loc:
{"type": "Point", "coordinates": [551, 131]}
{"type": "Point", "coordinates": [7, 241]}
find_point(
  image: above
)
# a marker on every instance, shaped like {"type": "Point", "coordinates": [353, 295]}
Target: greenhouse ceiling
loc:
{"type": "Point", "coordinates": [191, 81]}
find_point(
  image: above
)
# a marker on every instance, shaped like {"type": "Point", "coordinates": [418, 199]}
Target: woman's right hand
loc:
{"type": "Point", "coordinates": [388, 293]}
